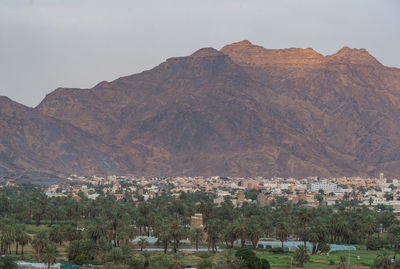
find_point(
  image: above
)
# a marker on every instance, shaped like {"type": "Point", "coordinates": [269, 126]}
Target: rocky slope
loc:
{"type": "Point", "coordinates": [244, 110]}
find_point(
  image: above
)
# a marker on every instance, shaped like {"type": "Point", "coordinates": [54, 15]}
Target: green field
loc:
{"type": "Point", "coordinates": [322, 261]}
{"type": "Point", "coordinates": [282, 260]}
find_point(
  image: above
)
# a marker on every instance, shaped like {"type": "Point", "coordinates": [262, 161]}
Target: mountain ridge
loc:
{"type": "Point", "coordinates": [243, 110]}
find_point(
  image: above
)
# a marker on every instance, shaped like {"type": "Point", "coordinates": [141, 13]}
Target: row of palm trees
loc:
{"type": "Point", "coordinates": [94, 227]}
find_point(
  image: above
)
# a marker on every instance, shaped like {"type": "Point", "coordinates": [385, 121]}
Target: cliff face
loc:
{"type": "Point", "coordinates": [244, 110]}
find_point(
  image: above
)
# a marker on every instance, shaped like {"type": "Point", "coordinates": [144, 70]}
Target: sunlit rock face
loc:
{"type": "Point", "coordinates": [242, 110]}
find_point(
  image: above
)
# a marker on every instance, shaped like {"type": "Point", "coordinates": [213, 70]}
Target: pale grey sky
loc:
{"type": "Point", "coordinates": [45, 44]}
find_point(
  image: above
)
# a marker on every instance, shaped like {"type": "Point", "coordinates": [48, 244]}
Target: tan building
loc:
{"type": "Point", "coordinates": [240, 197]}
{"type": "Point", "coordinates": [262, 199]}
{"type": "Point", "coordinates": [196, 221]}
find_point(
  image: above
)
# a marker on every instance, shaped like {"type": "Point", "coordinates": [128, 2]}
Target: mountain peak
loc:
{"type": "Point", "coordinates": [206, 52]}
{"type": "Point", "coordinates": [243, 43]}
{"type": "Point", "coordinates": [244, 52]}
{"type": "Point", "coordinates": [353, 56]}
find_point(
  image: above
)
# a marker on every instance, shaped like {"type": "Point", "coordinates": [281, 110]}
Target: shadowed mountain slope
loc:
{"type": "Point", "coordinates": [244, 110]}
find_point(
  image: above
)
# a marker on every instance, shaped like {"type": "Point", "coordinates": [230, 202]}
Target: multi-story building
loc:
{"type": "Point", "coordinates": [326, 187]}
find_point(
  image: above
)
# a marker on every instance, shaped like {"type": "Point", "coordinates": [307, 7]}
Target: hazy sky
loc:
{"type": "Point", "coordinates": [45, 44]}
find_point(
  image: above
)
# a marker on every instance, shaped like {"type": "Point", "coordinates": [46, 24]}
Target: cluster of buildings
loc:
{"type": "Point", "coordinates": [370, 191]}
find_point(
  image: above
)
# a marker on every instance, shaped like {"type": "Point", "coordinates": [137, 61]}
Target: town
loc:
{"type": "Point", "coordinates": [310, 191]}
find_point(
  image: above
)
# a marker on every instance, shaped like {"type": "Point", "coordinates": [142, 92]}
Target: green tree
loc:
{"type": "Point", "coordinates": [196, 236]}
{"type": "Point", "coordinates": [23, 240]}
{"type": "Point", "coordinates": [342, 263]}
{"type": "Point", "coordinates": [254, 231]}
{"type": "Point", "coordinates": [240, 229]}
{"type": "Point", "coordinates": [394, 238]}
{"type": "Point", "coordinates": [369, 228]}
{"type": "Point", "coordinates": [282, 232]}
{"type": "Point", "coordinates": [301, 255]}
{"type": "Point", "coordinates": [165, 237]}
{"type": "Point", "coordinates": [319, 197]}
{"type": "Point", "coordinates": [115, 256]}
{"type": "Point", "coordinates": [176, 262]}
{"type": "Point", "coordinates": [39, 242]}
{"type": "Point", "coordinates": [250, 258]}
{"type": "Point", "coordinates": [56, 235]}
{"type": "Point", "coordinates": [142, 243]}
{"type": "Point", "coordinates": [382, 260]}
{"type": "Point", "coordinates": [49, 254]}
{"type": "Point", "coordinates": [6, 262]}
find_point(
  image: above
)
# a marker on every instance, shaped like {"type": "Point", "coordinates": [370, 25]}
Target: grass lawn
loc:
{"type": "Point", "coordinates": [322, 261]}
{"type": "Point", "coordinates": [29, 252]}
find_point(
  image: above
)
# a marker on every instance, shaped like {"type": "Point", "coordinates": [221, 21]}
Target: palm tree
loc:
{"type": "Point", "coordinates": [394, 237]}
{"type": "Point", "coordinates": [254, 232]}
{"type": "Point", "coordinates": [342, 263]}
{"type": "Point", "coordinates": [304, 217]}
{"type": "Point", "coordinates": [56, 235]}
{"type": "Point", "coordinates": [177, 233]}
{"type": "Point", "coordinates": [116, 256]}
{"type": "Point", "coordinates": [213, 233]}
{"type": "Point", "coordinates": [229, 235]}
{"type": "Point", "coordinates": [90, 248]}
{"type": "Point", "coordinates": [314, 239]}
{"type": "Point", "coordinates": [229, 257]}
{"type": "Point", "coordinates": [75, 249]}
{"type": "Point", "coordinates": [240, 230]}
{"type": "Point", "coordinates": [146, 255]}
{"type": "Point", "coordinates": [196, 235]}
{"type": "Point", "coordinates": [282, 232]}
{"type": "Point", "coordinates": [96, 230]}
{"type": "Point", "coordinates": [7, 236]}
{"type": "Point", "coordinates": [23, 239]}
{"type": "Point", "coordinates": [176, 262]}
{"type": "Point", "coordinates": [49, 254]}
{"type": "Point", "coordinates": [19, 232]}
{"type": "Point", "coordinates": [301, 255]}
{"type": "Point", "coordinates": [369, 228]}
{"type": "Point", "coordinates": [39, 242]}
{"type": "Point", "coordinates": [165, 237]}
{"type": "Point", "coordinates": [382, 260]}
{"type": "Point", "coordinates": [142, 243]}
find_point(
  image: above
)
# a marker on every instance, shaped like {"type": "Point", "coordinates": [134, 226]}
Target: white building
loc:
{"type": "Point", "coordinates": [326, 187]}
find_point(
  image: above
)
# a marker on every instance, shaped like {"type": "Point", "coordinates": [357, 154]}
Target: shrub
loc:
{"type": "Point", "coordinates": [205, 264]}
{"type": "Point", "coordinates": [277, 250]}
{"type": "Point", "coordinates": [301, 255]}
{"type": "Point", "coordinates": [265, 264]}
{"type": "Point", "coordinates": [376, 243]}
{"type": "Point", "coordinates": [324, 247]}
{"type": "Point", "coordinates": [203, 255]}
{"type": "Point", "coordinates": [81, 259]}
{"type": "Point", "coordinates": [7, 262]}
{"type": "Point", "coordinates": [249, 257]}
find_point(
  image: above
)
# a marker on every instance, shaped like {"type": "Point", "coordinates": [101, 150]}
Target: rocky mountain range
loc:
{"type": "Point", "coordinates": [240, 111]}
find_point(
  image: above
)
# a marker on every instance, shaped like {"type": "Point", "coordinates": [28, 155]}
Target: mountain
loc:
{"type": "Point", "coordinates": [243, 110]}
